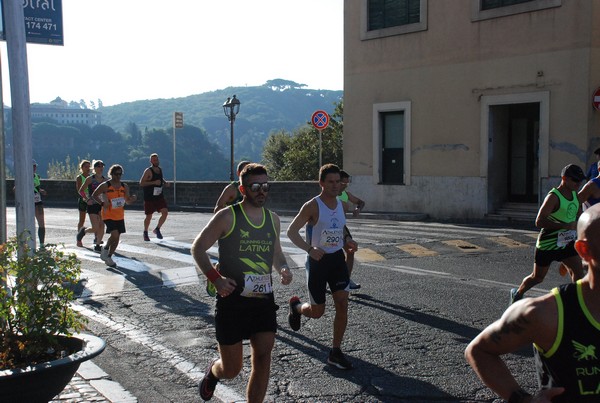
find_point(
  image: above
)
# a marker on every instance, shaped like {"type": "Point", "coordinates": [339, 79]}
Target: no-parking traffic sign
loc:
{"type": "Point", "coordinates": [320, 120]}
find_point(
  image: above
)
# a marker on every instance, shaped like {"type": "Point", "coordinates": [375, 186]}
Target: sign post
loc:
{"type": "Point", "coordinates": [26, 22]}
{"type": "Point", "coordinates": [320, 120]}
{"type": "Point", "coordinates": [177, 124]}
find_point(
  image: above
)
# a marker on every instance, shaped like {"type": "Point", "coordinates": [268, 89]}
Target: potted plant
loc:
{"type": "Point", "coordinates": [38, 324]}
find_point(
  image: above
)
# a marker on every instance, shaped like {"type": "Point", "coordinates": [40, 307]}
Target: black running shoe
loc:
{"type": "Point", "coordinates": [294, 316]}
{"type": "Point", "coordinates": [353, 285]}
{"type": "Point", "coordinates": [514, 296]}
{"type": "Point", "coordinates": [338, 360]}
{"type": "Point", "coordinates": [208, 384]}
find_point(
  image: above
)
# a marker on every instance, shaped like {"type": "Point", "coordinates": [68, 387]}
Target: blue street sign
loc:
{"type": "Point", "coordinates": [43, 22]}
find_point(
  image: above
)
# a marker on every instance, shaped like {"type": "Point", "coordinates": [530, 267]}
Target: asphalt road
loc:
{"type": "Point", "coordinates": [427, 289]}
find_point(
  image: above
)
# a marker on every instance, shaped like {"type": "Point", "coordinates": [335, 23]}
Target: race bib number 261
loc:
{"type": "Point", "coordinates": [256, 285]}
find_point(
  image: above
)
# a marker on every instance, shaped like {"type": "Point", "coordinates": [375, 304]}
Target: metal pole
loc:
{"type": "Point", "coordinates": [2, 167]}
{"type": "Point", "coordinates": [232, 119]}
{"type": "Point", "coordinates": [21, 118]}
{"type": "Point", "coordinates": [3, 274]}
{"type": "Point", "coordinates": [174, 167]}
{"type": "Point", "coordinates": [320, 149]}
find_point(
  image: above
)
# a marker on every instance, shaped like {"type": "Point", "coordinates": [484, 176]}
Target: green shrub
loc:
{"type": "Point", "coordinates": [35, 302]}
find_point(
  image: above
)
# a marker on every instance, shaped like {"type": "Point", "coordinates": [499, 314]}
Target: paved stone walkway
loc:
{"type": "Point", "coordinates": [92, 384]}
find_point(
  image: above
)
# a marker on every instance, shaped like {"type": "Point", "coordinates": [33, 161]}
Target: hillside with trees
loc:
{"type": "Point", "coordinates": [277, 105]}
{"type": "Point", "coordinates": [131, 131]}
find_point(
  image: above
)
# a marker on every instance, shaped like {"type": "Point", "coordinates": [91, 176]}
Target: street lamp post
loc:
{"type": "Point", "coordinates": [231, 107]}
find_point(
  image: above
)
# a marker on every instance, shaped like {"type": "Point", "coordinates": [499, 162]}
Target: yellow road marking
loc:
{"type": "Point", "coordinates": [464, 245]}
{"type": "Point", "coordinates": [532, 235]}
{"type": "Point", "coordinates": [416, 250]}
{"type": "Point", "coordinates": [505, 241]}
{"type": "Point", "coordinates": [368, 255]}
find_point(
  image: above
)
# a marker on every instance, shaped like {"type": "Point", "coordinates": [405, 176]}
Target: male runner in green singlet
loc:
{"type": "Point", "coordinates": [557, 218]}
{"type": "Point", "coordinates": [564, 327]}
{"type": "Point", "coordinates": [249, 248]}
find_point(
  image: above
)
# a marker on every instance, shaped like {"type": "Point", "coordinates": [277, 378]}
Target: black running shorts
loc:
{"type": "Point", "coordinates": [332, 270]}
{"type": "Point", "coordinates": [237, 318]}
{"type": "Point", "coordinates": [545, 257]}
{"type": "Point", "coordinates": [112, 225]}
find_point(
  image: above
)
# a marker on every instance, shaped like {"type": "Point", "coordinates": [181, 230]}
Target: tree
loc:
{"type": "Point", "coordinates": [135, 134]}
{"type": "Point", "coordinates": [64, 169]}
{"type": "Point", "coordinates": [106, 134]}
{"type": "Point", "coordinates": [275, 148]}
{"type": "Point", "coordinates": [295, 156]}
{"type": "Point", "coordinates": [282, 84]}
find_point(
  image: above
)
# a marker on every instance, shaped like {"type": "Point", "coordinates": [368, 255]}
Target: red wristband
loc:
{"type": "Point", "coordinates": [212, 275]}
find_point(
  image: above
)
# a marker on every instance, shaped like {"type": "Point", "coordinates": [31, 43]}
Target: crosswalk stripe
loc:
{"type": "Point", "coordinates": [99, 285]}
{"type": "Point", "coordinates": [417, 250]}
{"type": "Point", "coordinates": [508, 242]}
{"type": "Point", "coordinates": [368, 255]}
{"type": "Point", "coordinates": [464, 245]}
{"type": "Point", "coordinates": [179, 276]}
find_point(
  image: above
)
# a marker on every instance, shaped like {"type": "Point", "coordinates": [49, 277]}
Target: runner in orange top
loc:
{"type": "Point", "coordinates": [113, 210]}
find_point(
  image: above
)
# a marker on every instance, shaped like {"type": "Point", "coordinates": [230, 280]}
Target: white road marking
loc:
{"type": "Point", "coordinates": [170, 356]}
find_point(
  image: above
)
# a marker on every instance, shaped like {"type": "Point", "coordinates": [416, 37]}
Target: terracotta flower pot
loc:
{"type": "Point", "coordinates": [40, 383]}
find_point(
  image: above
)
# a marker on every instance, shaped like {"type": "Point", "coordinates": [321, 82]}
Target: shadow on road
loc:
{"type": "Point", "coordinates": [167, 298]}
{"type": "Point", "coordinates": [371, 380]}
{"type": "Point", "coordinates": [465, 333]}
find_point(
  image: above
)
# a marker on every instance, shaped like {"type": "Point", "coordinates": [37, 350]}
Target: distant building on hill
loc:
{"type": "Point", "coordinates": [66, 113]}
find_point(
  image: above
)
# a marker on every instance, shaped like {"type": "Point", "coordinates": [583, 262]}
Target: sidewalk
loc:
{"type": "Point", "coordinates": [92, 384]}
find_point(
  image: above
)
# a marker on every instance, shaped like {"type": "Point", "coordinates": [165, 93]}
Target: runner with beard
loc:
{"type": "Point", "coordinates": [249, 249]}
{"type": "Point", "coordinates": [152, 182]}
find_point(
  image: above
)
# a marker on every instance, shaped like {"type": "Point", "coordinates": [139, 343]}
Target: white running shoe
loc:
{"type": "Point", "coordinates": [110, 262]}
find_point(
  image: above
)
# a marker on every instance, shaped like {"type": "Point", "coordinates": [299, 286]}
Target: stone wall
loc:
{"type": "Point", "coordinates": [284, 197]}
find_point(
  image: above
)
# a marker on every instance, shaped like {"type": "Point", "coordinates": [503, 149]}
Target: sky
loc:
{"type": "Point", "coordinates": [126, 50]}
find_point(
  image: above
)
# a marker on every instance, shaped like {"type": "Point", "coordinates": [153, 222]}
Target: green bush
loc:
{"type": "Point", "coordinates": [35, 302]}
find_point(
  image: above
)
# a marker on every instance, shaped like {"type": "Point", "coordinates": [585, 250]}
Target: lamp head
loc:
{"type": "Point", "coordinates": [231, 107]}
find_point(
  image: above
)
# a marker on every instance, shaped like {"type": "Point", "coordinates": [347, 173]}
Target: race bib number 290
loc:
{"type": "Point", "coordinates": [332, 237]}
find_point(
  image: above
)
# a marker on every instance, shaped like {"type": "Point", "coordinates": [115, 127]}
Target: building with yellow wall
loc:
{"type": "Point", "coordinates": [455, 108]}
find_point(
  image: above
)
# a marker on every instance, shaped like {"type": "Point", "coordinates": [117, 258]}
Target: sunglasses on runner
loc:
{"type": "Point", "coordinates": [255, 187]}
